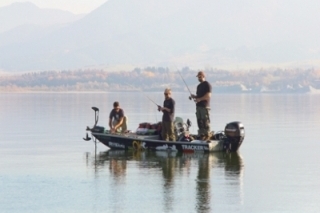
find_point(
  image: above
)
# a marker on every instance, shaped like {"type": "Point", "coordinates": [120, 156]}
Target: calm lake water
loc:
{"type": "Point", "coordinates": [46, 166]}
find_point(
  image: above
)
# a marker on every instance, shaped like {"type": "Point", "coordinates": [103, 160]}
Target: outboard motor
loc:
{"type": "Point", "coordinates": [234, 132]}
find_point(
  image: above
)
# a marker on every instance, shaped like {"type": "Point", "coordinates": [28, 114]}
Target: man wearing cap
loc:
{"type": "Point", "coordinates": [202, 99]}
{"type": "Point", "coordinates": [167, 131]}
{"type": "Point", "coordinates": [117, 119]}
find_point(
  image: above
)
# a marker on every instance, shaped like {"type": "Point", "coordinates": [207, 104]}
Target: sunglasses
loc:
{"type": "Point", "coordinates": [166, 93]}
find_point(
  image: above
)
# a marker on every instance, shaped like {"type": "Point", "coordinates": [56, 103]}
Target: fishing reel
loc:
{"type": "Point", "coordinates": [192, 99]}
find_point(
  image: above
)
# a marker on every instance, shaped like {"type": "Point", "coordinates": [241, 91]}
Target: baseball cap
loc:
{"type": "Point", "coordinates": [200, 73]}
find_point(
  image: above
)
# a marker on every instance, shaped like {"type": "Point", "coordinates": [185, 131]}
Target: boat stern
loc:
{"type": "Point", "coordinates": [235, 133]}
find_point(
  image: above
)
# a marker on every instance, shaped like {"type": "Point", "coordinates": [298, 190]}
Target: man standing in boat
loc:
{"type": "Point", "coordinates": [202, 99]}
{"type": "Point", "coordinates": [117, 119]}
{"type": "Point", "coordinates": [168, 108]}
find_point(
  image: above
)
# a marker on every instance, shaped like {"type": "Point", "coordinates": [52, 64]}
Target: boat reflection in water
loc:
{"type": "Point", "coordinates": [205, 178]}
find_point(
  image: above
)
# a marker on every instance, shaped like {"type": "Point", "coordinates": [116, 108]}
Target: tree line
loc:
{"type": "Point", "coordinates": [157, 78]}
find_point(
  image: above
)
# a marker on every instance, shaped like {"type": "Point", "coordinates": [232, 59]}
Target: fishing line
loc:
{"type": "Point", "coordinates": [190, 97]}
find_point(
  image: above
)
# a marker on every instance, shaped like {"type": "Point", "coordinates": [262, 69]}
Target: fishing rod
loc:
{"type": "Point", "coordinates": [145, 95]}
{"type": "Point", "coordinates": [190, 97]}
{"type": "Point", "coordinates": [152, 101]}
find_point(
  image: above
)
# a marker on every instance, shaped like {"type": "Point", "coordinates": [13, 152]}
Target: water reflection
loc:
{"type": "Point", "coordinates": [175, 167]}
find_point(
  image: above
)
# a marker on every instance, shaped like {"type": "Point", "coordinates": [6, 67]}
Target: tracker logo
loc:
{"type": "Point", "coordinates": [194, 147]}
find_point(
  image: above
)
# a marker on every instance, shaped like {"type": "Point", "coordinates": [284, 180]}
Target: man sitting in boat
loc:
{"type": "Point", "coordinates": [117, 119]}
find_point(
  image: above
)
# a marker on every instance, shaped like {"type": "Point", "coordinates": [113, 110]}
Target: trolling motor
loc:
{"type": "Point", "coordinates": [96, 115]}
{"type": "Point", "coordinates": [96, 118]}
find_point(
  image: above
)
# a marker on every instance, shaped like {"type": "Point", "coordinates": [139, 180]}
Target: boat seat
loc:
{"type": "Point", "coordinates": [178, 125]}
{"type": "Point", "coordinates": [178, 120]}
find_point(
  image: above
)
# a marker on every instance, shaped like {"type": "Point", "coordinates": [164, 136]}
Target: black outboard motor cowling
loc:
{"type": "Point", "coordinates": [234, 132]}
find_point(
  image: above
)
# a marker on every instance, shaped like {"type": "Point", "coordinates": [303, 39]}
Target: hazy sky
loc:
{"type": "Point", "coordinates": [74, 6]}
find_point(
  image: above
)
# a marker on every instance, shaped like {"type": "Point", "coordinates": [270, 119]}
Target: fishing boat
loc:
{"type": "Point", "coordinates": [148, 137]}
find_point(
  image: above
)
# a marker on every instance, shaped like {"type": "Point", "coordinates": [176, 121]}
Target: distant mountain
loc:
{"type": "Point", "coordinates": [181, 32]}
{"type": "Point", "coordinates": [26, 13]}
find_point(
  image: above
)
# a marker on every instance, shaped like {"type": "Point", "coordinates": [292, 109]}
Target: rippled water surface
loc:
{"type": "Point", "coordinates": [46, 166]}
